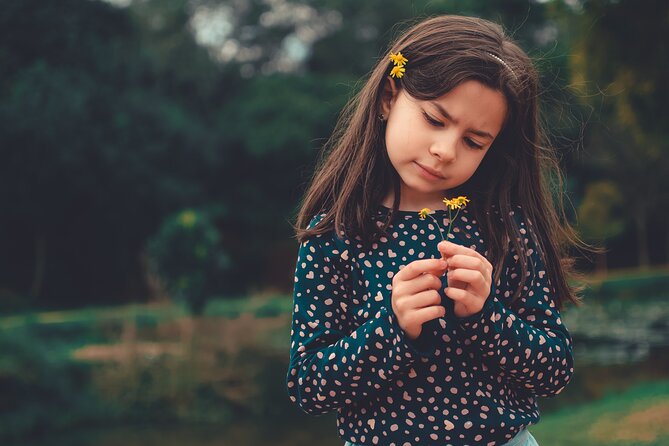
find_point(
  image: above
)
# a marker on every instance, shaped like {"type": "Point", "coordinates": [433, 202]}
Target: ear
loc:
{"type": "Point", "coordinates": [389, 95]}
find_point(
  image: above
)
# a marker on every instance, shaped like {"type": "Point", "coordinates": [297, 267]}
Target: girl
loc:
{"type": "Point", "coordinates": [411, 341]}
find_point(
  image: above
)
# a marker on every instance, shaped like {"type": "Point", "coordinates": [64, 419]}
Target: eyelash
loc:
{"type": "Point", "coordinates": [436, 123]}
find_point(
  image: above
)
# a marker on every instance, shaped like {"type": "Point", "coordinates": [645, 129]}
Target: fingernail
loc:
{"type": "Point", "coordinates": [443, 264]}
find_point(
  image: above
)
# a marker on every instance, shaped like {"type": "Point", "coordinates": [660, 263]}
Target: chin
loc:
{"type": "Point", "coordinates": [420, 186]}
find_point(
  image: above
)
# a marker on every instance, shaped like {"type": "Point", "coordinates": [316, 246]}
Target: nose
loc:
{"type": "Point", "coordinates": [444, 149]}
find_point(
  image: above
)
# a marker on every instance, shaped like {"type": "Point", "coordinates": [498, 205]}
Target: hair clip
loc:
{"type": "Point", "coordinates": [503, 63]}
{"type": "Point", "coordinates": [400, 61]}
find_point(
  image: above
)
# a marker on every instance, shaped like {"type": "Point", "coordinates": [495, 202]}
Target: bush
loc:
{"type": "Point", "coordinates": [187, 256]}
{"type": "Point", "coordinates": [37, 381]}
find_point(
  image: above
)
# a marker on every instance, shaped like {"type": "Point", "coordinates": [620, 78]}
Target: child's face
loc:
{"type": "Point", "coordinates": [419, 135]}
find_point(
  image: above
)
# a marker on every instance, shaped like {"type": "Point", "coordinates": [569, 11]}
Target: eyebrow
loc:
{"type": "Point", "coordinates": [445, 114]}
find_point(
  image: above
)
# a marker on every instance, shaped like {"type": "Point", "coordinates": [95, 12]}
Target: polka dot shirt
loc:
{"type": "Point", "coordinates": [463, 381]}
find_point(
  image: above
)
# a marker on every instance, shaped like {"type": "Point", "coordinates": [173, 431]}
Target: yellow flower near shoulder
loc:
{"type": "Point", "coordinates": [397, 71]}
{"type": "Point", "coordinates": [398, 59]}
{"type": "Point", "coordinates": [424, 213]}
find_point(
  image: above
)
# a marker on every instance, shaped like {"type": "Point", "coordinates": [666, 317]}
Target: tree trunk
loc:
{"type": "Point", "coordinates": [642, 239]}
{"type": "Point", "coordinates": [40, 262]}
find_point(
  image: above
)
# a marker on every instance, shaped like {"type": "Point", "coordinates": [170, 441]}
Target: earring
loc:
{"type": "Point", "coordinates": [381, 117]}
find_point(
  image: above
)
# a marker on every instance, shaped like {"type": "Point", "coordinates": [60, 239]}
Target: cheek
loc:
{"type": "Point", "coordinates": [400, 138]}
{"type": "Point", "coordinates": [395, 142]}
{"type": "Point", "coordinates": [473, 165]}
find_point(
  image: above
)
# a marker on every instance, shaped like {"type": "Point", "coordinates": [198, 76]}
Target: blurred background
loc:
{"type": "Point", "coordinates": [153, 154]}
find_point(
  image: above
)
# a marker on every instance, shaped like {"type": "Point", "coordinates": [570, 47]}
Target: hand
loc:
{"type": "Point", "coordinates": [415, 298]}
{"type": "Point", "coordinates": [469, 278]}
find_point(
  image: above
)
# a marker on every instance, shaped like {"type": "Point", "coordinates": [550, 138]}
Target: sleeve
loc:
{"type": "Point", "coordinates": [527, 339]}
{"type": "Point", "coordinates": [332, 363]}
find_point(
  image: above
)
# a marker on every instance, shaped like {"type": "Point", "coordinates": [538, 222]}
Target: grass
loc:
{"type": "Point", "coordinates": [638, 416]}
{"type": "Point", "coordinates": [630, 272]}
{"type": "Point", "coordinates": [230, 308]}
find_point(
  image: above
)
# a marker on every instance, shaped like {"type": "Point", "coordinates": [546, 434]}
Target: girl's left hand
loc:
{"type": "Point", "coordinates": [469, 278]}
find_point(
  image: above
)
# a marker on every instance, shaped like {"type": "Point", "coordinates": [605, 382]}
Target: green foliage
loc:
{"type": "Point", "coordinates": [629, 418]}
{"type": "Point", "coordinates": [98, 143]}
{"type": "Point", "coordinates": [38, 380]}
{"type": "Point", "coordinates": [112, 119]}
{"type": "Point", "coordinates": [601, 212]}
{"type": "Point", "coordinates": [650, 285]}
{"type": "Point", "coordinates": [186, 254]}
{"type": "Point", "coordinates": [619, 69]}
{"type": "Point", "coordinates": [368, 27]}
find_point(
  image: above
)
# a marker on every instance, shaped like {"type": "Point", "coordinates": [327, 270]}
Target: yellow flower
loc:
{"type": "Point", "coordinates": [397, 71]}
{"type": "Point", "coordinates": [450, 203]}
{"type": "Point", "coordinates": [424, 213]}
{"type": "Point", "coordinates": [398, 59]}
{"type": "Point", "coordinates": [456, 203]}
{"type": "Point", "coordinates": [463, 200]}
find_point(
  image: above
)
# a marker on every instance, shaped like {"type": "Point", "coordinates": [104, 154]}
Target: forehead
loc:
{"type": "Point", "coordinates": [473, 105]}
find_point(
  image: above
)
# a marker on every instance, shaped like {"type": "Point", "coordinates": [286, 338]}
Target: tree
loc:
{"type": "Point", "coordinates": [99, 140]}
{"type": "Point", "coordinates": [186, 254]}
{"type": "Point", "coordinates": [619, 67]}
{"type": "Point", "coordinates": [600, 216]}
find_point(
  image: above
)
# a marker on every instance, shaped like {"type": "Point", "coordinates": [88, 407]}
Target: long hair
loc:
{"type": "Point", "coordinates": [354, 174]}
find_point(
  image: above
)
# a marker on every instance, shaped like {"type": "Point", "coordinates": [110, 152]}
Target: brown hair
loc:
{"type": "Point", "coordinates": [354, 173]}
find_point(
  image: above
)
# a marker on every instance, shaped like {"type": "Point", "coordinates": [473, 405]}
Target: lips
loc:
{"type": "Point", "coordinates": [436, 173]}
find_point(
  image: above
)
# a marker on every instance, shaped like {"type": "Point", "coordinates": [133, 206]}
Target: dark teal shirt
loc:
{"type": "Point", "coordinates": [463, 381]}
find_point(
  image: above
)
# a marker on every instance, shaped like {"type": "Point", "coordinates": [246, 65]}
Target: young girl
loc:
{"type": "Point", "coordinates": [414, 340]}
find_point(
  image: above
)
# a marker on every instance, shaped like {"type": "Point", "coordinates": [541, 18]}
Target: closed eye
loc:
{"type": "Point", "coordinates": [472, 144]}
{"type": "Point", "coordinates": [433, 121]}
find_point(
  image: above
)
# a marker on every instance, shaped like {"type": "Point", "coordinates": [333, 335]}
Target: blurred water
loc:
{"type": "Point", "coordinates": [622, 331]}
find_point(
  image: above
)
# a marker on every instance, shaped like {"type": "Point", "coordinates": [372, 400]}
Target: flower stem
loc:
{"type": "Point", "coordinates": [450, 220]}
{"type": "Point", "coordinates": [440, 230]}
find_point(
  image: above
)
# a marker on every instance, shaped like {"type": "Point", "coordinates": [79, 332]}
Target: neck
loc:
{"type": "Point", "coordinates": [407, 204]}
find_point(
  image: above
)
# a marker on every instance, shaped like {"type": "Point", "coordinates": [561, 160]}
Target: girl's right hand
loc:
{"type": "Point", "coordinates": [415, 298]}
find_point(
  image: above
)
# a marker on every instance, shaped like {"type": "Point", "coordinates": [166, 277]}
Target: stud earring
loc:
{"type": "Point", "coordinates": [381, 117]}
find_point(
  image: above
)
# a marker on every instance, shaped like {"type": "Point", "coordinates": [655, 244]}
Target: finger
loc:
{"type": "Point", "coordinates": [425, 299]}
{"type": "Point", "coordinates": [414, 302]}
{"type": "Point", "coordinates": [428, 313]}
{"type": "Point", "coordinates": [427, 281]}
{"type": "Point", "coordinates": [470, 303]}
{"type": "Point", "coordinates": [469, 262]}
{"type": "Point", "coordinates": [458, 294]}
{"type": "Point", "coordinates": [448, 249]}
{"type": "Point", "coordinates": [470, 276]}
{"type": "Point", "coordinates": [418, 267]}
{"type": "Point", "coordinates": [457, 284]}
{"type": "Point", "coordinates": [474, 279]}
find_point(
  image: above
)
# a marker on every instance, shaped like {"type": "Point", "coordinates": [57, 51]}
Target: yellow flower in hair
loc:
{"type": "Point", "coordinates": [398, 59]}
{"type": "Point", "coordinates": [424, 213]}
{"type": "Point", "coordinates": [397, 71]}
